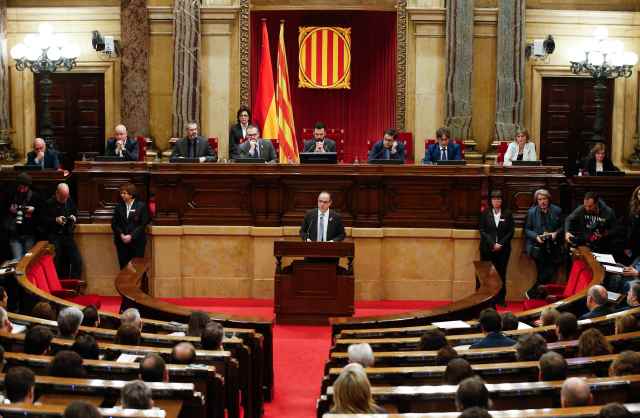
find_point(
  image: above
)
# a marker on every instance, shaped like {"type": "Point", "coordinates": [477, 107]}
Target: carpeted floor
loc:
{"type": "Point", "coordinates": [299, 351]}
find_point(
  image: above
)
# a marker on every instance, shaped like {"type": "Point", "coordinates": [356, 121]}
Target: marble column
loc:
{"type": "Point", "coordinates": [135, 29]}
{"type": "Point", "coordinates": [5, 121]}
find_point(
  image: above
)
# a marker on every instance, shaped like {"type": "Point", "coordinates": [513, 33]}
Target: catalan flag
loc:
{"type": "Point", "coordinates": [325, 57]}
{"type": "Point", "coordinates": [286, 127]}
{"type": "Point", "coordinates": [265, 113]}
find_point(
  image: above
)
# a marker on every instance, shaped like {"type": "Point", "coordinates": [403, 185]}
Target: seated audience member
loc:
{"type": "Point", "coordinates": [128, 334]}
{"type": "Point", "coordinates": [530, 347]}
{"type": "Point", "coordinates": [633, 293]}
{"type": "Point", "coordinates": [352, 392]}
{"type": "Point", "coordinates": [549, 316]}
{"type": "Point", "coordinates": [592, 224]}
{"type": "Point", "coordinates": [567, 327]}
{"type": "Point", "coordinates": [90, 318]}
{"type": "Point", "coordinates": [183, 353]}
{"type": "Point", "coordinates": [38, 340]}
{"type": "Point", "coordinates": [153, 369]}
{"type": "Point", "coordinates": [443, 150]}
{"type": "Point", "coordinates": [387, 148]}
{"type": "Point", "coordinates": [552, 367]}
{"type": "Point", "coordinates": [491, 325]}
{"type": "Point", "coordinates": [614, 410]}
{"type": "Point", "coordinates": [5, 324]}
{"type": "Point", "coordinates": [81, 409]}
{"type": "Point", "coordinates": [19, 385]}
{"type": "Point", "coordinates": [44, 310]}
{"type": "Point", "coordinates": [67, 363]}
{"type": "Point", "coordinates": [575, 392]}
{"type": "Point", "coordinates": [42, 156]}
{"type": "Point", "coordinates": [472, 392]}
{"type": "Point", "coordinates": [256, 147]}
{"type": "Point", "coordinates": [593, 343]}
{"type": "Point", "coordinates": [122, 145]}
{"type": "Point", "coordinates": [457, 370]}
{"type": "Point", "coordinates": [627, 362]}
{"type": "Point", "coordinates": [198, 320]}
{"type": "Point", "coordinates": [361, 354]}
{"type": "Point", "coordinates": [136, 395]}
{"type": "Point", "coordinates": [433, 340]}
{"type": "Point", "coordinates": [521, 149]}
{"type": "Point", "coordinates": [69, 320]}
{"type": "Point", "coordinates": [626, 323]}
{"type": "Point", "coordinates": [475, 412]}
{"type": "Point", "coordinates": [597, 161]}
{"type": "Point", "coordinates": [445, 355]}
{"type": "Point", "coordinates": [238, 132]}
{"type": "Point", "coordinates": [509, 321]}
{"type": "Point", "coordinates": [131, 316]}
{"type": "Point", "coordinates": [193, 146]}
{"type": "Point", "coordinates": [597, 302]}
{"type": "Point", "coordinates": [4, 297]}
{"type": "Point", "coordinates": [86, 346]}
{"type": "Point", "coordinates": [319, 143]}
{"type": "Point", "coordinates": [212, 336]}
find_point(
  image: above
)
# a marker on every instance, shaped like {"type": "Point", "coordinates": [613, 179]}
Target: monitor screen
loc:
{"type": "Point", "coordinates": [318, 158]}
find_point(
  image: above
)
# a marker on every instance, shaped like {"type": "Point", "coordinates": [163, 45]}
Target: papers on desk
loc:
{"type": "Point", "coordinates": [18, 328]}
{"type": "Point", "coordinates": [462, 347]}
{"type": "Point", "coordinates": [522, 325]}
{"type": "Point", "coordinates": [604, 258]}
{"type": "Point", "coordinates": [613, 269]}
{"type": "Point", "coordinates": [451, 324]}
{"type": "Point", "coordinates": [128, 358]}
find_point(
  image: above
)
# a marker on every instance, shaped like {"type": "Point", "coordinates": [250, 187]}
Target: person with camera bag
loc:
{"type": "Point", "coordinates": [543, 234]}
{"type": "Point", "coordinates": [22, 221]}
{"type": "Point", "coordinates": [60, 220]}
{"type": "Point", "coordinates": [591, 224]}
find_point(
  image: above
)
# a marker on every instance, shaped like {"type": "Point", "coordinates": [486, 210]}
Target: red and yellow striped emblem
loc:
{"type": "Point", "coordinates": [325, 57]}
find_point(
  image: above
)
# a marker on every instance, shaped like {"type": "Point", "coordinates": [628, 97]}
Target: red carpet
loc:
{"type": "Point", "coordinates": [299, 351]}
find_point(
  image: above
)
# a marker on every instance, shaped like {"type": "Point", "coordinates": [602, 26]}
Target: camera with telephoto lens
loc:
{"type": "Point", "coordinates": [20, 212]}
{"type": "Point", "coordinates": [68, 224]}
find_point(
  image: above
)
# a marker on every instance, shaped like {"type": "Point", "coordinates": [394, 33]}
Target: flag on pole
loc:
{"type": "Point", "coordinates": [265, 113]}
{"type": "Point", "coordinates": [286, 127]}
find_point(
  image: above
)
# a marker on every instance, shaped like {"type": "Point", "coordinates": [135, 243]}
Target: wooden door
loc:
{"type": "Point", "coordinates": [77, 114]}
{"type": "Point", "coordinates": [568, 113]}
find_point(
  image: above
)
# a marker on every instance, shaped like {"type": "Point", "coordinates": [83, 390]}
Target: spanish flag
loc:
{"type": "Point", "coordinates": [286, 127]}
{"type": "Point", "coordinates": [264, 109]}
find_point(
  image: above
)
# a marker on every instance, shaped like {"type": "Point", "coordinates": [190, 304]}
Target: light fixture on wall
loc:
{"type": "Point", "coordinates": [603, 59]}
{"type": "Point", "coordinates": [44, 53]}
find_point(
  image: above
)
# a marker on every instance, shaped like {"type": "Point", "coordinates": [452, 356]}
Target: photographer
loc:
{"type": "Point", "coordinates": [591, 224]}
{"type": "Point", "coordinates": [60, 220]}
{"type": "Point", "coordinates": [21, 217]}
{"type": "Point", "coordinates": [543, 232]}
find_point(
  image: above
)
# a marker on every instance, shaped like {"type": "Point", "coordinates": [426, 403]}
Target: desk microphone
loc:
{"type": "Point", "coordinates": [308, 232]}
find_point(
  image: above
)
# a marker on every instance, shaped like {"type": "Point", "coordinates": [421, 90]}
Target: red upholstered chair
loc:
{"type": "Point", "coordinates": [276, 147]}
{"type": "Point", "coordinates": [407, 140]}
{"type": "Point", "coordinates": [142, 147]}
{"type": "Point", "coordinates": [213, 141]}
{"type": "Point", "coordinates": [68, 289]}
{"type": "Point", "coordinates": [502, 149]}
{"type": "Point", "coordinates": [36, 276]}
{"type": "Point", "coordinates": [579, 278]}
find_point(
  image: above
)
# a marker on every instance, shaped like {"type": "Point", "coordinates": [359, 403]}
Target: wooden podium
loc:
{"type": "Point", "coordinates": [310, 291]}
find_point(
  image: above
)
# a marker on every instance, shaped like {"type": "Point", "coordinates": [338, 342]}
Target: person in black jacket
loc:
{"type": "Point", "coordinates": [496, 231]}
{"type": "Point", "coordinates": [60, 220]}
{"type": "Point", "coordinates": [129, 222]}
{"type": "Point", "coordinates": [597, 161]}
{"type": "Point", "coordinates": [592, 224]}
{"type": "Point", "coordinates": [121, 145]}
{"type": "Point", "coordinates": [322, 224]}
{"type": "Point", "coordinates": [23, 217]}
{"type": "Point", "coordinates": [43, 156]}
{"type": "Point", "coordinates": [238, 132]}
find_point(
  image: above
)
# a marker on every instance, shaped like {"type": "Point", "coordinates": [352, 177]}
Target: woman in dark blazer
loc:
{"type": "Point", "coordinates": [598, 161]}
{"type": "Point", "coordinates": [238, 132]}
{"type": "Point", "coordinates": [129, 223]}
{"type": "Point", "coordinates": [496, 231]}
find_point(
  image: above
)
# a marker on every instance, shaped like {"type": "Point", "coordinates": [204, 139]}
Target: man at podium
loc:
{"type": "Point", "coordinates": [322, 224]}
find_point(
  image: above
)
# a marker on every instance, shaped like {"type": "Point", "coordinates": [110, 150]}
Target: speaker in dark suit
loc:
{"type": "Point", "coordinates": [496, 232]}
{"type": "Point", "coordinates": [322, 224]}
{"type": "Point", "coordinates": [129, 223]}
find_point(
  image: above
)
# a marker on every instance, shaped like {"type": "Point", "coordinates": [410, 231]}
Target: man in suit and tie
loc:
{"type": "Point", "coordinates": [320, 143]}
{"type": "Point", "coordinates": [444, 150]}
{"type": "Point", "coordinates": [491, 325]}
{"type": "Point", "coordinates": [42, 156]}
{"type": "Point", "coordinates": [322, 224]}
{"type": "Point", "coordinates": [256, 147]}
{"type": "Point", "coordinates": [121, 145]}
{"type": "Point", "coordinates": [129, 223]}
{"type": "Point", "coordinates": [193, 146]}
{"type": "Point", "coordinates": [387, 148]}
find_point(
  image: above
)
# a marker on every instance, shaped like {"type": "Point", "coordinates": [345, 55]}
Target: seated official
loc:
{"type": "Point", "coordinates": [121, 145]}
{"type": "Point", "coordinates": [319, 143]}
{"type": "Point", "coordinates": [256, 147]}
{"type": "Point", "coordinates": [590, 224]}
{"type": "Point", "coordinates": [193, 146]}
{"type": "Point", "coordinates": [322, 224]}
{"type": "Point", "coordinates": [491, 325]}
{"type": "Point", "coordinates": [444, 150]}
{"type": "Point", "coordinates": [597, 161]}
{"type": "Point", "coordinates": [42, 156]}
{"type": "Point", "coordinates": [387, 148]}
{"type": "Point", "coordinates": [597, 302]}
{"type": "Point", "coordinates": [522, 149]}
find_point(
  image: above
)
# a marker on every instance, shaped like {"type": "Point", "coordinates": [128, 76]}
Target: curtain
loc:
{"type": "Point", "coordinates": [365, 110]}
{"type": "Point", "coordinates": [5, 121]}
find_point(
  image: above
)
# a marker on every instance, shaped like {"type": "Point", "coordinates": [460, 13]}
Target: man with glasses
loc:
{"type": "Point", "coordinates": [322, 224]}
{"type": "Point", "coordinates": [256, 147]}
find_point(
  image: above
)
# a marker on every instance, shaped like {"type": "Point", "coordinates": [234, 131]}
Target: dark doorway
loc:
{"type": "Point", "coordinates": [77, 114]}
{"type": "Point", "coordinates": [568, 112]}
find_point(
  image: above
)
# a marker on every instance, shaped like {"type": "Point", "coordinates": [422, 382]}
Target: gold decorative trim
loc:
{"type": "Point", "coordinates": [401, 63]}
{"type": "Point", "coordinates": [245, 81]}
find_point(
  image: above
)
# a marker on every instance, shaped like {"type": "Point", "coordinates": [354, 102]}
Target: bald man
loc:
{"type": "Point", "coordinates": [121, 145]}
{"type": "Point", "coordinates": [575, 392]}
{"type": "Point", "coordinates": [42, 156]}
{"type": "Point", "coordinates": [60, 220]}
{"type": "Point", "coordinates": [597, 302]}
{"type": "Point", "coordinates": [183, 353]}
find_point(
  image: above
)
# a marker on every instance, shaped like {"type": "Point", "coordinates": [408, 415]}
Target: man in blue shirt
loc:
{"type": "Point", "coordinates": [387, 148]}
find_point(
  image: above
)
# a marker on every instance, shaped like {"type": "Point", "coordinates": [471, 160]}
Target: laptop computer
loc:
{"type": "Point", "coordinates": [318, 158]}
{"type": "Point", "coordinates": [249, 160]}
{"type": "Point", "coordinates": [526, 163]}
{"type": "Point", "coordinates": [382, 161]}
{"type": "Point", "coordinates": [451, 162]}
{"type": "Point", "coordinates": [610, 173]}
{"type": "Point", "coordinates": [108, 158]}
